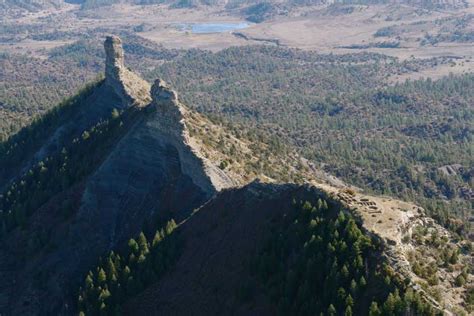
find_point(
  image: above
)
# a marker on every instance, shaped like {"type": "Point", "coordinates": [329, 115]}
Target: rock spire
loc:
{"type": "Point", "coordinates": [133, 90]}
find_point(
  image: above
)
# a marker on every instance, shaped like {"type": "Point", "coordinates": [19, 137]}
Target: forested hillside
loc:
{"type": "Point", "coordinates": [26, 186]}
{"type": "Point", "coordinates": [282, 269]}
{"type": "Point", "coordinates": [259, 11]}
{"type": "Point", "coordinates": [30, 5]}
{"type": "Point", "coordinates": [24, 96]}
{"type": "Point", "coordinates": [255, 11]}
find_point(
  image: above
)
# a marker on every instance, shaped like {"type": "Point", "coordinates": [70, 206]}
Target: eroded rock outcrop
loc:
{"type": "Point", "coordinates": [170, 119]}
{"type": "Point", "coordinates": [130, 87]}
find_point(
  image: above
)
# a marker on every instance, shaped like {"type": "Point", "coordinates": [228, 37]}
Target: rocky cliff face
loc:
{"type": "Point", "coordinates": [170, 119]}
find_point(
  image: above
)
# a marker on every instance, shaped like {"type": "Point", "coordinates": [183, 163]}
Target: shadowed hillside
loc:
{"type": "Point", "coordinates": [260, 250]}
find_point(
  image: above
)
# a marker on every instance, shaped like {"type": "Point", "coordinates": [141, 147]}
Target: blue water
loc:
{"type": "Point", "coordinates": [204, 28]}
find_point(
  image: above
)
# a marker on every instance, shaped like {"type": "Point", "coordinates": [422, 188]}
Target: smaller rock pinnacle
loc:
{"type": "Point", "coordinates": [161, 92]}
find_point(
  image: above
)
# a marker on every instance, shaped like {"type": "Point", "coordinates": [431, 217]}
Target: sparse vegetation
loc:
{"type": "Point", "coordinates": [437, 262]}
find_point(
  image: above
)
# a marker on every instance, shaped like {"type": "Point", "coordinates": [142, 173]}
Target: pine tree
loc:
{"type": "Point", "coordinates": [349, 301]}
{"type": "Point", "coordinates": [115, 113]}
{"type": "Point", "coordinates": [320, 204]}
{"type": "Point", "coordinates": [104, 294]}
{"type": "Point", "coordinates": [345, 271]}
{"type": "Point", "coordinates": [103, 308]}
{"type": "Point", "coordinates": [331, 310]}
{"type": "Point", "coordinates": [374, 309]}
{"type": "Point", "coordinates": [89, 281]}
{"type": "Point", "coordinates": [141, 258]}
{"type": "Point", "coordinates": [157, 239]}
{"type": "Point", "coordinates": [353, 287]}
{"type": "Point", "coordinates": [111, 270]}
{"type": "Point", "coordinates": [143, 244]}
{"type": "Point", "coordinates": [133, 245]}
{"type": "Point", "coordinates": [389, 305]}
{"type": "Point", "coordinates": [101, 276]}
{"type": "Point", "coordinates": [325, 205]}
{"type": "Point", "coordinates": [348, 311]}
{"type": "Point", "coordinates": [170, 226]}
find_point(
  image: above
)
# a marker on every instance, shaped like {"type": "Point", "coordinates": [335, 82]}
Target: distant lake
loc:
{"type": "Point", "coordinates": [203, 28]}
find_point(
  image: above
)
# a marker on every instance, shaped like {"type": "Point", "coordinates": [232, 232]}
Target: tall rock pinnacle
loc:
{"type": "Point", "coordinates": [132, 89]}
{"type": "Point", "coordinates": [114, 57]}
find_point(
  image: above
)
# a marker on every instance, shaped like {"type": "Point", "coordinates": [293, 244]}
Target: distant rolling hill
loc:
{"type": "Point", "coordinates": [255, 11]}
{"type": "Point", "coordinates": [30, 5]}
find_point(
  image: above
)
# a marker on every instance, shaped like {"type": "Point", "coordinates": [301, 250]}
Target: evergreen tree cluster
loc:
{"type": "Point", "coordinates": [320, 263]}
{"type": "Point", "coordinates": [58, 172]}
{"type": "Point", "coordinates": [28, 140]}
{"type": "Point", "coordinates": [121, 276]}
